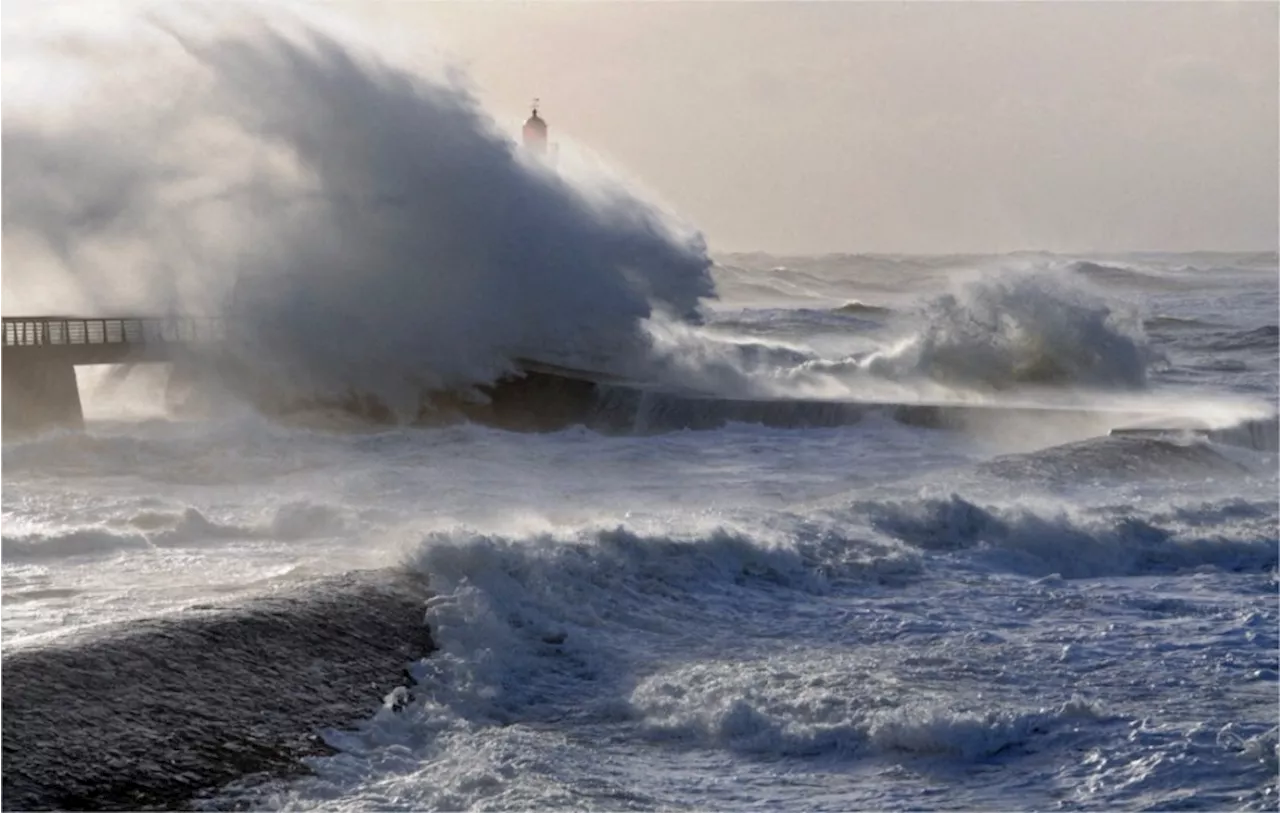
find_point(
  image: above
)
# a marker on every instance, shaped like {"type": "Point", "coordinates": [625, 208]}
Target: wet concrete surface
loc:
{"type": "Point", "coordinates": [153, 714]}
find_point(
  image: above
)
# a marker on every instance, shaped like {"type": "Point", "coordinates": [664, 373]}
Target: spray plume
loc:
{"type": "Point", "coordinates": [370, 227]}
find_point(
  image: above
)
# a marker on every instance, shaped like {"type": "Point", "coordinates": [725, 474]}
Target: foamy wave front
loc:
{"type": "Point", "coordinates": [190, 527]}
{"type": "Point", "coordinates": [1022, 328]}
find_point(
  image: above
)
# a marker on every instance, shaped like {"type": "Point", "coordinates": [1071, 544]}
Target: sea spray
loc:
{"type": "Point", "coordinates": [1006, 328]}
{"type": "Point", "coordinates": [370, 228]}
{"type": "Point", "coordinates": [1022, 327]}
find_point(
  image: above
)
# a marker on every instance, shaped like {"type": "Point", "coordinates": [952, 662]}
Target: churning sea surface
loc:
{"type": "Point", "coordinates": [1031, 615]}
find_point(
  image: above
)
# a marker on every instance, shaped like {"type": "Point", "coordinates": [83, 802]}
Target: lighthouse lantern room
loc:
{"type": "Point", "coordinates": [535, 132]}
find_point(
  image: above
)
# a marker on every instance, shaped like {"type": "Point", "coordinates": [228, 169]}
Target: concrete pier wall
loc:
{"type": "Point", "coordinates": [42, 352]}
{"type": "Point", "coordinates": [39, 393]}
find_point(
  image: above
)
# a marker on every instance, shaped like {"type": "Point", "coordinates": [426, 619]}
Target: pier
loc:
{"type": "Point", "coordinates": [40, 393]}
{"type": "Point", "coordinates": [42, 352]}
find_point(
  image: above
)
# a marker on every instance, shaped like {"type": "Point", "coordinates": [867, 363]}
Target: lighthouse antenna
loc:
{"type": "Point", "coordinates": [535, 105]}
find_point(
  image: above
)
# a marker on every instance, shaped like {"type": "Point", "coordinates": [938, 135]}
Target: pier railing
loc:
{"type": "Point", "coordinates": [43, 331]}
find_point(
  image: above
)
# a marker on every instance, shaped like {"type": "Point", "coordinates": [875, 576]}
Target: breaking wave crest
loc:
{"type": "Point", "coordinates": [1022, 329]}
{"type": "Point", "coordinates": [1122, 276]}
{"type": "Point", "coordinates": [540, 605]}
{"type": "Point", "coordinates": [1010, 330]}
{"type": "Point", "coordinates": [290, 521]}
{"type": "Point", "coordinates": [535, 624]}
{"type": "Point", "coordinates": [762, 708]}
{"type": "Point", "coordinates": [1040, 544]}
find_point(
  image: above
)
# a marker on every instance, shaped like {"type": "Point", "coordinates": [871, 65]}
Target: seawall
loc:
{"type": "Point", "coordinates": [159, 712]}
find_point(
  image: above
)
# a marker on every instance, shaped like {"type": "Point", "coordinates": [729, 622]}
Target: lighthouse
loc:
{"type": "Point", "coordinates": [535, 132]}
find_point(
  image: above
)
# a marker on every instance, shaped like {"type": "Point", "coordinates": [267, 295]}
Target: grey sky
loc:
{"type": "Point", "coordinates": [914, 127]}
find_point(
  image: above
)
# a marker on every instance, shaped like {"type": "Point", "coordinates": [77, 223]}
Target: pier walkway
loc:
{"type": "Point", "coordinates": [42, 352]}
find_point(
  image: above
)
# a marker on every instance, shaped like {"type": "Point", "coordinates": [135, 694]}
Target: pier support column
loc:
{"type": "Point", "coordinates": [38, 394]}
